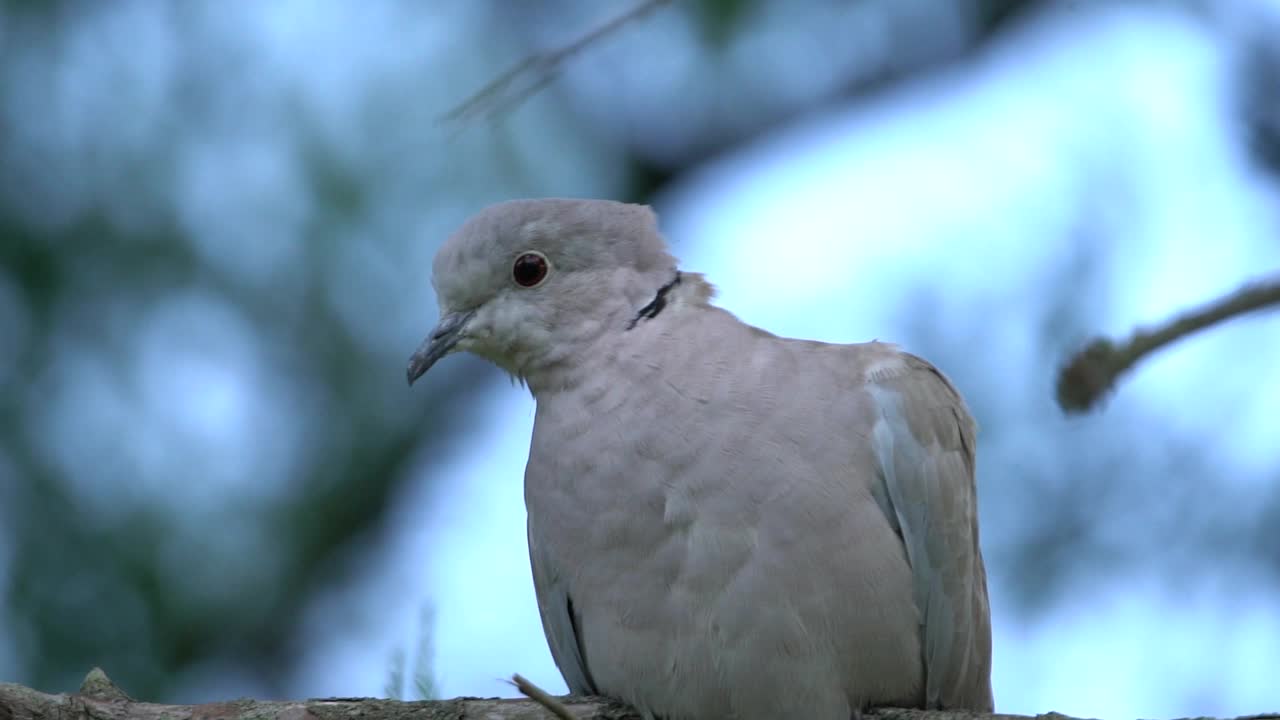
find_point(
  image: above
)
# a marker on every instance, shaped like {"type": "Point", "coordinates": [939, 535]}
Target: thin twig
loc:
{"type": "Point", "coordinates": [508, 90]}
{"type": "Point", "coordinates": [542, 697]}
{"type": "Point", "coordinates": [1094, 370]}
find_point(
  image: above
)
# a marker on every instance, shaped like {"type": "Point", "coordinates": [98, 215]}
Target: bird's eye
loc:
{"type": "Point", "coordinates": [529, 269]}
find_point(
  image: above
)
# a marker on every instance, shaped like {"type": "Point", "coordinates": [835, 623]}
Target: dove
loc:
{"type": "Point", "coordinates": [721, 522]}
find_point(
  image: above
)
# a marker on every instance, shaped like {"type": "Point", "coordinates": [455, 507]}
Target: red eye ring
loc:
{"type": "Point", "coordinates": [530, 269]}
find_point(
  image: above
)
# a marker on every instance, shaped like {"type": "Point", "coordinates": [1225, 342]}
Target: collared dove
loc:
{"type": "Point", "coordinates": [721, 522]}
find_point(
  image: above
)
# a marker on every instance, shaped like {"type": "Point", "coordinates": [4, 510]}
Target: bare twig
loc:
{"type": "Point", "coordinates": [505, 92]}
{"type": "Point", "coordinates": [1094, 370]}
{"type": "Point", "coordinates": [542, 697]}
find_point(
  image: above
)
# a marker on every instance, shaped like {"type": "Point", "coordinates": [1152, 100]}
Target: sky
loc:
{"type": "Point", "coordinates": [826, 228]}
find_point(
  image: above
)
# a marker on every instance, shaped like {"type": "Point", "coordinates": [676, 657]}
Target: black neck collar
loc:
{"type": "Point", "coordinates": [655, 305]}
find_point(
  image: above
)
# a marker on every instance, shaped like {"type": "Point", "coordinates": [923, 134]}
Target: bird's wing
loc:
{"type": "Point", "coordinates": [560, 622]}
{"type": "Point", "coordinates": [924, 441]}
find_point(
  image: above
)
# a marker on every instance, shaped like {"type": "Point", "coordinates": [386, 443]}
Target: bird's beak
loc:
{"type": "Point", "coordinates": [438, 344]}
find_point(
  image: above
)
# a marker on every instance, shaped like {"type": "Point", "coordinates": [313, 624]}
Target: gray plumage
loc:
{"type": "Point", "coordinates": [722, 522]}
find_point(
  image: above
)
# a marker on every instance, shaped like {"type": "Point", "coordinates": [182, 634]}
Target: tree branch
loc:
{"type": "Point", "coordinates": [1094, 370]}
{"type": "Point", "coordinates": [99, 699]}
{"type": "Point", "coordinates": [534, 72]}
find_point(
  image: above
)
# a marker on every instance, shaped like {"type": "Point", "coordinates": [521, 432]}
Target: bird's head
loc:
{"type": "Point", "coordinates": [530, 284]}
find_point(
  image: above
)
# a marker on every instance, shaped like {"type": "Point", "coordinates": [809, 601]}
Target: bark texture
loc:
{"type": "Point", "coordinates": [99, 699]}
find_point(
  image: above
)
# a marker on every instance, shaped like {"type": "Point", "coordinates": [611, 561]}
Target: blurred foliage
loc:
{"type": "Point", "coordinates": [129, 591]}
{"type": "Point", "coordinates": [414, 673]}
{"type": "Point", "coordinates": [718, 19]}
{"type": "Point", "coordinates": [102, 573]}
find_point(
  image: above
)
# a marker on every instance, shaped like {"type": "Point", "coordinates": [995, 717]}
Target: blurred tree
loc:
{"type": "Point", "coordinates": [130, 582]}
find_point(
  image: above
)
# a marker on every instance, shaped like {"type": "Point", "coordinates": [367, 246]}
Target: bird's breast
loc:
{"type": "Point", "coordinates": [711, 540]}
{"type": "Point", "coordinates": [632, 494]}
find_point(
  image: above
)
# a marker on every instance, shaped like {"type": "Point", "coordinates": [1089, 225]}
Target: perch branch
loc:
{"type": "Point", "coordinates": [1093, 371]}
{"type": "Point", "coordinates": [100, 699]}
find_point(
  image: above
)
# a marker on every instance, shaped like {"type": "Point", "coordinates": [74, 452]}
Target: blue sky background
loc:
{"type": "Point", "coordinates": [1087, 164]}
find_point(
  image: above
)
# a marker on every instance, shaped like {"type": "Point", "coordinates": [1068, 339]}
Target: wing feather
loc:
{"type": "Point", "coordinates": [560, 622]}
{"type": "Point", "coordinates": [924, 439]}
